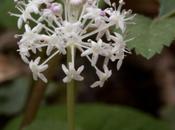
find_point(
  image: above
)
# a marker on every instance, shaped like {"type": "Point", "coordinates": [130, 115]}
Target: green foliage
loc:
{"type": "Point", "coordinates": [5, 19]}
{"type": "Point", "coordinates": [93, 117]}
{"type": "Point", "coordinates": [167, 7]}
{"type": "Point", "coordinates": [48, 125]}
{"type": "Point", "coordinates": [151, 35]}
{"type": "Point", "coordinates": [169, 115]}
{"type": "Point", "coordinates": [13, 96]}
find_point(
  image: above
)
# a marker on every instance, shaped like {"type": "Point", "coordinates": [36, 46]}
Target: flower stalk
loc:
{"type": "Point", "coordinates": [70, 98]}
{"type": "Point", "coordinates": [71, 105]}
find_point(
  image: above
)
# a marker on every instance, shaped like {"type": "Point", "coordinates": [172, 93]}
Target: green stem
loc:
{"type": "Point", "coordinates": [70, 99]}
{"type": "Point", "coordinates": [71, 105]}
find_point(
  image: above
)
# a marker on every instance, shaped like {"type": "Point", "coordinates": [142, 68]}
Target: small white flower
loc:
{"type": "Point", "coordinates": [31, 38]}
{"type": "Point", "coordinates": [56, 9]}
{"type": "Point", "coordinates": [119, 46]}
{"type": "Point", "coordinates": [51, 13]}
{"type": "Point", "coordinates": [94, 13]}
{"type": "Point", "coordinates": [33, 7]}
{"type": "Point", "coordinates": [119, 17]}
{"type": "Point", "coordinates": [38, 69]}
{"type": "Point", "coordinates": [24, 53]}
{"type": "Point", "coordinates": [23, 18]}
{"type": "Point", "coordinates": [95, 50]}
{"type": "Point", "coordinates": [118, 50]}
{"type": "Point", "coordinates": [71, 73]}
{"type": "Point", "coordinates": [103, 76]}
{"type": "Point", "coordinates": [55, 42]}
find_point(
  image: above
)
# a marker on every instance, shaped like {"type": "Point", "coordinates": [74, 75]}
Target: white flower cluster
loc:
{"type": "Point", "coordinates": [69, 25]}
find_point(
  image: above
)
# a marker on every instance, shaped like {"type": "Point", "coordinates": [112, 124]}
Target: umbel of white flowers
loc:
{"type": "Point", "coordinates": [57, 27]}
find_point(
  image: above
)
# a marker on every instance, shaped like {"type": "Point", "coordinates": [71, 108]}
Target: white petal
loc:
{"type": "Point", "coordinates": [105, 68]}
{"type": "Point", "coordinates": [42, 77]}
{"type": "Point", "coordinates": [107, 2]}
{"type": "Point", "coordinates": [37, 28]}
{"type": "Point", "coordinates": [66, 79]}
{"type": "Point", "coordinates": [119, 63]}
{"type": "Point", "coordinates": [61, 48]}
{"type": "Point", "coordinates": [63, 51]}
{"type": "Point", "coordinates": [96, 84]}
{"type": "Point", "coordinates": [101, 84]}
{"type": "Point", "coordinates": [108, 35]}
{"type": "Point", "coordinates": [39, 48]}
{"type": "Point", "coordinates": [87, 52]}
{"type": "Point", "coordinates": [79, 78]}
{"type": "Point", "coordinates": [100, 42]}
{"type": "Point", "coordinates": [37, 60]}
{"type": "Point", "coordinates": [118, 35]}
{"type": "Point", "coordinates": [24, 58]}
{"type": "Point", "coordinates": [66, 71]}
{"type": "Point", "coordinates": [80, 69]}
{"type": "Point", "coordinates": [31, 64]}
{"type": "Point", "coordinates": [94, 59]}
{"type": "Point", "coordinates": [49, 50]}
{"type": "Point", "coordinates": [27, 28]}
{"type": "Point", "coordinates": [20, 22]}
{"type": "Point", "coordinates": [35, 77]}
{"type": "Point", "coordinates": [71, 66]}
{"type": "Point", "coordinates": [122, 25]}
{"type": "Point", "coordinates": [43, 68]}
{"type": "Point", "coordinates": [113, 58]}
{"type": "Point", "coordinates": [33, 49]}
{"type": "Point", "coordinates": [100, 35]}
{"type": "Point", "coordinates": [35, 9]}
{"type": "Point", "coordinates": [99, 73]}
{"type": "Point", "coordinates": [108, 72]}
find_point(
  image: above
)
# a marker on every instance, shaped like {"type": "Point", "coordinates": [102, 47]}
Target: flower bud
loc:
{"type": "Point", "coordinates": [56, 8]}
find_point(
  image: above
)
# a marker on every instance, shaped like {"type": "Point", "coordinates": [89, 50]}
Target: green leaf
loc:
{"type": "Point", "coordinates": [168, 114]}
{"type": "Point", "coordinates": [151, 35]}
{"type": "Point", "coordinates": [48, 125]}
{"type": "Point", "coordinates": [167, 7]}
{"type": "Point", "coordinates": [93, 117]}
{"type": "Point", "coordinates": [13, 96]}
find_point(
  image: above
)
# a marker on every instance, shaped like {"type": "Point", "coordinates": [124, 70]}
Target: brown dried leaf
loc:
{"type": "Point", "coordinates": [10, 68]}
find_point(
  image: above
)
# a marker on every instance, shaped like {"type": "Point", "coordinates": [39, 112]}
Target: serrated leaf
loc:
{"type": "Point", "coordinates": [167, 7]}
{"type": "Point", "coordinates": [94, 117]}
{"type": "Point", "coordinates": [151, 35]}
{"type": "Point", "coordinates": [13, 96]}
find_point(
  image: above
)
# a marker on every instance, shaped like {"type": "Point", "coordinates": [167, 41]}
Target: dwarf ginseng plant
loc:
{"type": "Point", "coordinates": [67, 27]}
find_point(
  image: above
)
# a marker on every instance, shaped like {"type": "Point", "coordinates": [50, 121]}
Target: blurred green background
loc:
{"type": "Point", "coordinates": [141, 96]}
